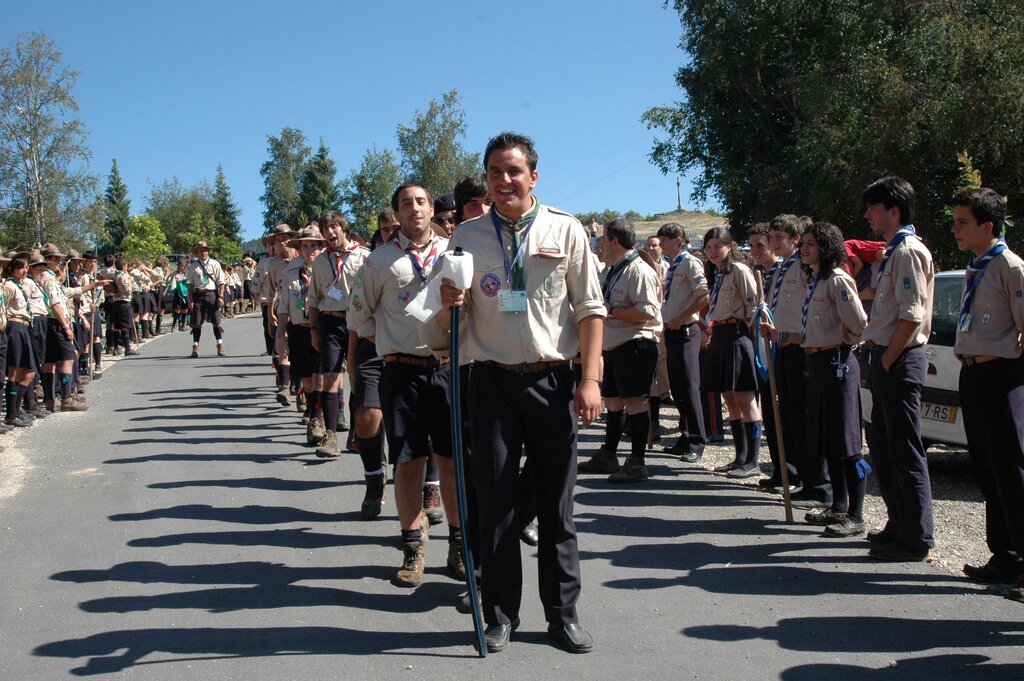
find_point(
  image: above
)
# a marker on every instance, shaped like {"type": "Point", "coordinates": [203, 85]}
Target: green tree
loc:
{"type": "Point", "coordinates": [205, 228]}
{"type": "Point", "coordinates": [143, 238]}
{"type": "Point", "coordinates": [796, 106]}
{"type": "Point", "coordinates": [282, 173]}
{"type": "Point", "coordinates": [431, 149]}
{"type": "Point", "coordinates": [225, 211]}
{"type": "Point", "coordinates": [367, 190]}
{"type": "Point", "coordinates": [174, 207]}
{"type": "Point", "coordinates": [318, 191]}
{"type": "Point", "coordinates": [117, 210]}
{"type": "Point", "coordinates": [45, 186]}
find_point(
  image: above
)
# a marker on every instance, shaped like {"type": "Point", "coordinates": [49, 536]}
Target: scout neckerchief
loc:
{"type": "Point", "coordinates": [423, 266]}
{"type": "Point", "coordinates": [514, 274]}
{"type": "Point", "coordinates": [206, 274]}
{"type": "Point", "coordinates": [300, 304]}
{"type": "Point", "coordinates": [782, 273]}
{"type": "Point", "coordinates": [719, 278]}
{"type": "Point", "coordinates": [895, 241]}
{"type": "Point", "coordinates": [615, 273]}
{"type": "Point", "coordinates": [766, 274]}
{"type": "Point", "coordinates": [811, 285]}
{"type": "Point", "coordinates": [42, 292]}
{"type": "Point", "coordinates": [340, 258]}
{"type": "Point", "coordinates": [975, 273]}
{"type": "Point", "coordinates": [28, 308]}
{"type": "Point", "coordinates": [671, 273]}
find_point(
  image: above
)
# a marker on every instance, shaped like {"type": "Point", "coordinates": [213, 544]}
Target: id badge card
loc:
{"type": "Point", "coordinates": [206, 281]}
{"type": "Point", "coordinates": [965, 322]}
{"type": "Point", "coordinates": [335, 293]}
{"type": "Point", "coordinates": [511, 301]}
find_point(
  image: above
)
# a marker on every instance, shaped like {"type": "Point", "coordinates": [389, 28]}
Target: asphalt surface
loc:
{"type": "Point", "coordinates": [179, 530]}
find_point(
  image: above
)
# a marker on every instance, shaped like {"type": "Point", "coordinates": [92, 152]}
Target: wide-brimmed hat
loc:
{"type": "Point", "coordinates": [51, 251]}
{"type": "Point", "coordinates": [200, 245]}
{"type": "Point", "coordinates": [282, 230]}
{"type": "Point", "coordinates": [4, 258]}
{"type": "Point", "coordinates": [248, 259]}
{"type": "Point", "coordinates": [306, 234]}
{"type": "Point", "coordinates": [74, 255]}
{"type": "Point", "coordinates": [35, 258]}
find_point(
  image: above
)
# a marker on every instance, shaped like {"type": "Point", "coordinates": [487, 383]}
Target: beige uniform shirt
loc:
{"type": "Point", "coordinates": [36, 302]}
{"type": "Point", "coordinates": [334, 275]}
{"type": "Point", "coordinates": [290, 299]}
{"type": "Point", "coordinates": [385, 285]}
{"type": "Point", "coordinates": [562, 288]}
{"type": "Point", "coordinates": [123, 287]}
{"type": "Point", "coordinates": [835, 315]}
{"type": "Point", "coordinates": [198, 280]}
{"type": "Point", "coordinates": [259, 280]}
{"type": "Point", "coordinates": [16, 301]}
{"type": "Point", "coordinates": [54, 295]}
{"type": "Point", "coordinates": [272, 279]}
{"type": "Point", "coordinates": [905, 291]}
{"type": "Point", "coordinates": [637, 287]}
{"type": "Point", "coordinates": [791, 285]}
{"type": "Point", "coordinates": [737, 295]}
{"type": "Point", "coordinates": [140, 280]}
{"type": "Point", "coordinates": [997, 311]}
{"type": "Point", "coordinates": [687, 285]}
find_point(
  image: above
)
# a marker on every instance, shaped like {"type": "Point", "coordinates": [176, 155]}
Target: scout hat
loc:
{"type": "Point", "coordinates": [306, 234]}
{"type": "Point", "coordinates": [35, 258]}
{"type": "Point", "coordinates": [200, 245]}
{"type": "Point", "coordinates": [281, 230]}
{"type": "Point", "coordinates": [51, 251]}
{"type": "Point", "coordinates": [74, 255]}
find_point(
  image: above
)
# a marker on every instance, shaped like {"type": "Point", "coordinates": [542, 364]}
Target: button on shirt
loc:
{"type": "Point", "coordinates": [198, 279]}
{"type": "Point", "coordinates": [384, 286]}
{"type": "Point", "coordinates": [561, 284]}
{"type": "Point", "coordinates": [687, 285]}
{"type": "Point", "coordinates": [636, 288]}
{"type": "Point", "coordinates": [905, 292]}
{"type": "Point", "coordinates": [835, 315]}
{"type": "Point", "coordinates": [997, 311]}
{"type": "Point", "coordinates": [337, 271]}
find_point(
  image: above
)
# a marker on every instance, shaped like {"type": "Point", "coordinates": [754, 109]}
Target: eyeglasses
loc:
{"type": "Point", "coordinates": [444, 218]}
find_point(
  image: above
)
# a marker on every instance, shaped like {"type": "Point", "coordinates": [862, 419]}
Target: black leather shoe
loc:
{"type": "Point", "coordinates": [881, 537]}
{"type": "Point", "coordinates": [728, 467]}
{"type": "Point", "coordinates": [572, 637]}
{"type": "Point", "coordinates": [497, 635]}
{"type": "Point", "coordinates": [990, 573]}
{"type": "Point", "coordinates": [894, 553]}
{"type": "Point", "coordinates": [691, 457]}
{"type": "Point", "coordinates": [529, 535]}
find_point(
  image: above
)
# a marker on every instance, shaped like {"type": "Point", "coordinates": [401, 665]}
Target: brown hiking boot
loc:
{"type": "Point", "coordinates": [413, 563]}
{"type": "Point", "coordinates": [373, 500]}
{"type": "Point", "coordinates": [328, 448]}
{"type": "Point", "coordinates": [73, 405]}
{"type": "Point", "coordinates": [317, 428]}
{"type": "Point", "coordinates": [602, 462]}
{"type": "Point", "coordinates": [195, 352]}
{"type": "Point", "coordinates": [432, 503]}
{"type": "Point", "coordinates": [51, 405]}
{"type": "Point", "coordinates": [220, 350]}
{"type": "Point", "coordinates": [631, 471]}
{"type": "Point", "coordinates": [456, 566]}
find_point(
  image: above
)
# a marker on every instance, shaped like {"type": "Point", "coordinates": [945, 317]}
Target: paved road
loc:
{"type": "Point", "coordinates": [178, 530]}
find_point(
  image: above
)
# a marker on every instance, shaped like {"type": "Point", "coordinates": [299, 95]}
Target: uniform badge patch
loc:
{"type": "Point", "coordinates": [549, 284]}
{"type": "Point", "coordinates": [405, 297]}
{"type": "Point", "coordinates": [1020, 294]}
{"type": "Point", "coordinates": [357, 304]}
{"type": "Point", "coordinates": [489, 284]}
{"type": "Point", "coordinates": [906, 282]}
{"type": "Point", "coordinates": [845, 295]}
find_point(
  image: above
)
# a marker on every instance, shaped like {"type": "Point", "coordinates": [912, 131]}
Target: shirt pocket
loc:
{"type": "Point", "coordinates": [547, 278]}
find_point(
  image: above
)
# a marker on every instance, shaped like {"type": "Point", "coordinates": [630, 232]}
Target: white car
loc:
{"type": "Point", "coordinates": [941, 419]}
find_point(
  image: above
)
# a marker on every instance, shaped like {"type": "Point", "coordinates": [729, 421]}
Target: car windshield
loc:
{"type": "Point", "coordinates": [946, 310]}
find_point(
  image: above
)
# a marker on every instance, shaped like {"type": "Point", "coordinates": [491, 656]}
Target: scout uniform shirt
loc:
{"type": "Point", "coordinates": [384, 286]}
{"type": "Point", "coordinates": [140, 280]}
{"type": "Point", "coordinates": [272, 279]}
{"type": "Point", "coordinates": [631, 283]}
{"type": "Point", "coordinates": [207, 280]}
{"type": "Point", "coordinates": [334, 275]}
{"type": "Point", "coordinates": [174, 284]}
{"type": "Point", "coordinates": [53, 293]}
{"type": "Point", "coordinates": [36, 300]}
{"type": "Point", "coordinates": [259, 280]}
{"type": "Point", "coordinates": [291, 294]}
{"type": "Point", "coordinates": [995, 319]}
{"type": "Point", "coordinates": [904, 291]}
{"type": "Point", "coordinates": [685, 284]}
{"type": "Point", "coordinates": [16, 304]}
{"type": "Point", "coordinates": [785, 296]}
{"type": "Point", "coordinates": [835, 315]}
{"type": "Point", "coordinates": [734, 295]}
{"type": "Point", "coordinates": [122, 287]}
{"type": "Point", "coordinates": [560, 278]}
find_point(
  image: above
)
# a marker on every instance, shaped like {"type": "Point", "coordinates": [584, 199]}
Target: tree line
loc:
{"type": "Point", "coordinates": [795, 106]}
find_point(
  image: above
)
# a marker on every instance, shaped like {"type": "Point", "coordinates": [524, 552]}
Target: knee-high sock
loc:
{"type": "Point", "coordinates": [752, 435]}
{"type": "Point", "coordinates": [48, 385]}
{"type": "Point", "coordinates": [639, 428]}
{"type": "Point", "coordinates": [431, 474]}
{"type": "Point", "coordinates": [330, 407]}
{"type": "Point", "coordinates": [856, 487]}
{"type": "Point", "coordinates": [614, 422]}
{"type": "Point", "coordinates": [12, 399]}
{"type": "Point", "coordinates": [66, 384]}
{"type": "Point", "coordinates": [370, 451]}
{"type": "Point", "coordinates": [97, 353]}
{"type": "Point", "coordinates": [739, 439]}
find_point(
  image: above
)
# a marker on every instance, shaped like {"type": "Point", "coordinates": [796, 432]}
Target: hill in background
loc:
{"type": "Point", "coordinates": [695, 222]}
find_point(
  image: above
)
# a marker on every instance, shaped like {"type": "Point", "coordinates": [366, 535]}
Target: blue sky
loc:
{"type": "Point", "coordinates": [173, 89]}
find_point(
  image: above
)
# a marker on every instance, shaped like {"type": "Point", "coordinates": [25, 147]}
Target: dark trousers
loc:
{"type": "Point", "coordinates": [791, 382]}
{"type": "Point", "coordinates": [683, 348]}
{"type": "Point", "coordinates": [268, 337]}
{"type": "Point", "coordinates": [896, 448]}
{"type": "Point", "coordinates": [510, 412]}
{"type": "Point", "coordinates": [992, 403]}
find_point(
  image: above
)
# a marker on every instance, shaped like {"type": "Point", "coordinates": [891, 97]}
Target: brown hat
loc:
{"type": "Point", "coordinates": [200, 246]}
{"type": "Point", "coordinates": [35, 258]}
{"type": "Point", "coordinates": [51, 251]}
{"type": "Point", "coordinates": [306, 234]}
{"type": "Point", "coordinates": [74, 255]}
{"type": "Point", "coordinates": [4, 258]}
{"type": "Point", "coordinates": [282, 229]}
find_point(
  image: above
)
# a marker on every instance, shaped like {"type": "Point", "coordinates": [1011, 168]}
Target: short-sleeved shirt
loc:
{"type": "Point", "coordinates": [688, 284]}
{"type": "Point", "coordinates": [291, 299]}
{"type": "Point", "coordinates": [334, 275]}
{"type": "Point", "coordinates": [835, 314]}
{"type": "Point", "coordinates": [997, 310]}
{"type": "Point", "coordinates": [737, 295]}
{"type": "Point", "coordinates": [384, 286]}
{"type": "Point", "coordinates": [16, 301]}
{"type": "Point", "coordinates": [904, 292]}
{"type": "Point", "coordinates": [561, 285]}
{"type": "Point", "coordinates": [36, 299]}
{"type": "Point", "coordinates": [204, 281]}
{"type": "Point", "coordinates": [54, 295]}
{"type": "Point", "coordinates": [635, 286]}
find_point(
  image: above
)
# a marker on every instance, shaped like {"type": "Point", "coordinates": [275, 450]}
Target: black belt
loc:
{"type": "Point", "coordinates": [430, 362]}
{"type": "Point", "coordinates": [528, 367]}
{"type": "Point", "coordinates": [340, 314]}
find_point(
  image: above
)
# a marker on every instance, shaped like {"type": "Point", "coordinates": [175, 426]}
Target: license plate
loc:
{"type": "Point", "coordinates": [938, 412]}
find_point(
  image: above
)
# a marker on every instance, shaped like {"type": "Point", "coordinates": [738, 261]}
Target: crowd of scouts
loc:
{"type": "Point", "coordinates": [553, 331]}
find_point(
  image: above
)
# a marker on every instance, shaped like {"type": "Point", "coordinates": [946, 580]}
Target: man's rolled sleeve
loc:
{"type": "Point", "coordinates": [910, 282]}
{"type": "Point", "coordinates": [582, 279]}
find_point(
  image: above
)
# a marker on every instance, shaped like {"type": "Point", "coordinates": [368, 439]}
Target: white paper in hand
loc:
{"type": "Point", "coordinates": [427, 303]}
